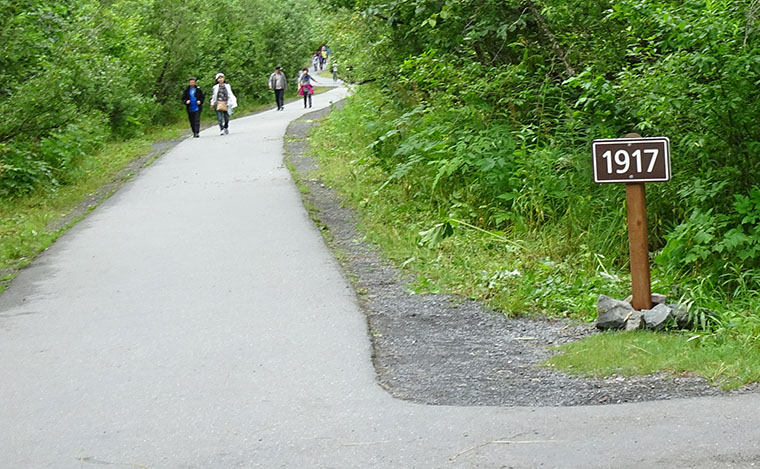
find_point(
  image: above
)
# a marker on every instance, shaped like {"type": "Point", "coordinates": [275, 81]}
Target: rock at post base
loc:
{"type": "Point", "coordinates": [657, 299]}
{"type": "Point", "coordinates": [612, 313]}
{"type": "Point", "coordinates": [634, 322]}
{"type": "Point", "coordinates": [657, 317]}
{"type": "Point", "coordinates": [681, 315]}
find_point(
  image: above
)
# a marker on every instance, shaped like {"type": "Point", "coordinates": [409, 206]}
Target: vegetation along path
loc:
{"type": "Point", "coordinates": [197, 319]}
{"type": "Point", "coordinates": [442, 349]}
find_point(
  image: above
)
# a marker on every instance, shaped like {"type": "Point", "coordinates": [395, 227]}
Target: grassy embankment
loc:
{"type": "Point", "coordinates": [517, 274]}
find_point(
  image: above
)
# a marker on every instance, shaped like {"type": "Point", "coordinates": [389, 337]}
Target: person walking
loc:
{"type": "Point", "coordinates": [223, 100]}
{"type": "Point", "coordinates": [304, 86]}
{"type": "Point", "coordinates": [315, 61]}
{"type": "Point", "coordinates": [192, 97]}
{"type": "Point", "coordinates": [322, 57]}
{"type": "Point", "coordinates": [278, 83]}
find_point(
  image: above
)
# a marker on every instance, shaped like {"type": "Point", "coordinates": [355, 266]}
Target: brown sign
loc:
{"type": "Point", "coordinates": [631, 160]}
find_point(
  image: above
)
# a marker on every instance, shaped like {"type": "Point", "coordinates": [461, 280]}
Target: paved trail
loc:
{"type": "Point", "coordinates": [196, 319]}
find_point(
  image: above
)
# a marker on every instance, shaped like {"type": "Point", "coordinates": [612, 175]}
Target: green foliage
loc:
{"type": "Point", "coordinates": [77, 73]}
{"type": "Point", "coordinates": [483, 111]}
{"type": "Point", "coordinates": [709, 240]}
{"type": "Point", "coordinates": [444, 251]}
{"type": "Point", "coordinates": [743, 239]}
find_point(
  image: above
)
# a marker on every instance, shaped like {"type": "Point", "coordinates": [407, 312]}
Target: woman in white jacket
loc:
{"type": "Point", "coordinates": [223, 101]}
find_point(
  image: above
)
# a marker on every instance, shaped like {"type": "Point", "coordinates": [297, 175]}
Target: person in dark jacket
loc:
{"type": "Point", "coordinates": [192, 97]}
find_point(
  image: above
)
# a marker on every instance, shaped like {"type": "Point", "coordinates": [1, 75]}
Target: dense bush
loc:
{"type": "Point", "coordinates": [78, 72]}
{"type": "Point", "coordinates": [491, 107]}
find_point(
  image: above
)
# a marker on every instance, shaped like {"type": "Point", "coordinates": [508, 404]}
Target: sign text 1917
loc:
{"type": "Point", "coordinates": [631, 160]}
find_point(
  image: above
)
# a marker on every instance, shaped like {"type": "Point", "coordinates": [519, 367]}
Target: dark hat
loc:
{"type": "Point", "coordinates": [278, 68]}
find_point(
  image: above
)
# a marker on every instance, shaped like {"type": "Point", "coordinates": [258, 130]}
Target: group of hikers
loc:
{"type": "Point", "coordinates": [223, 100]}
{"type": "Point", "coordinates": [279, 83]}
{"type": "Point", "coordinates": [320, 56]}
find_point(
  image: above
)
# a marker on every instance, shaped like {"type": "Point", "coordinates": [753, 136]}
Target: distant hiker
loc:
{"type": "Point", "coordinates": [315, 61]}
{"type": "Point", "coordinates": [223, 100]}
{"type": "Point", "coordinates": [335, 69]}
{"type": "Point", "coordinates": [278, 83]}
{"type": "Point", "coordinates": [304, 86]}
{"type": "Point", "coordinates": [323, 52]}
{"type": "Point", "coordinates": [322, 57]}
{"type": "Point", "coordinates": [192, 98]}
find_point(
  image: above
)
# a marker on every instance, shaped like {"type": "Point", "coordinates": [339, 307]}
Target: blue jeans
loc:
{"type": "Point", "coordinates": [224, 119]}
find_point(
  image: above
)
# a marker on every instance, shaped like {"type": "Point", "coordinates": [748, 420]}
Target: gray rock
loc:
{"type": "Point", "coordinates": [634, 321]}
{"type": "Point", "coordinates": [681, 315]}
{"type": "Point", "coordinates": [613, 319]}
{"type": "Point", "coordinates": [658, 299]}
{"type": "Point", "coordinates": [657, 318]}
{"type": "Point", "coordinates": [612, 313]}
{"type": "Point", "coordinates": [605, 303]}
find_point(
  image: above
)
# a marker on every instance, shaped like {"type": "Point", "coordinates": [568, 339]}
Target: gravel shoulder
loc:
{"type": "Point", "coordinates": [446, 350]}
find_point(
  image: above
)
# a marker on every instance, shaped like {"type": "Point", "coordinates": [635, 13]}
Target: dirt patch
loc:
{"type": "Point", "coordinates": [445, 350]}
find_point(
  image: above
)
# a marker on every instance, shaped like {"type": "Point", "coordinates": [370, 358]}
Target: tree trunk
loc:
{"type": "Point", "coordinates": [558, 51]}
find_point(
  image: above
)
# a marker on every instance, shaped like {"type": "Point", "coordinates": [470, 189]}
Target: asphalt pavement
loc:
{"type": "Point", "coordinates": [196, 319]}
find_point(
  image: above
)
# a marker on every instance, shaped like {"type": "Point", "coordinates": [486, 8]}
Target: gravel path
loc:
{"type": "Point", "coordinates": [444, 350]}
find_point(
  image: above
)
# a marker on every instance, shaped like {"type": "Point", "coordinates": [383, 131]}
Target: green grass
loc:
{"type": "Point", "coordinates": [727, 361]}
{"type": "Point", "coordinates": [516, 278]}
{"type": "Point", "coordinates": [520, 272]}
{"type": "Point", "coordinates": [325, 74]}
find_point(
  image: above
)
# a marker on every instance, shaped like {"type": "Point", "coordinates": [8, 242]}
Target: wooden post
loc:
{"type": "Point", "coordinates": [635, 196]}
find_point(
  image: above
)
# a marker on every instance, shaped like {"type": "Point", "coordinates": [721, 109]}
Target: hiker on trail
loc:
{"type": "Point", "coordinates": [322, 57]}
{"type": "Point", "coordinates": [335, 69]}
{"type": "Point", "coordinates": [279, 84]}
{"type": "Point", "coordinates": [192, 97]}
{"type": "Point", "coordinates": [223, 100]}
{"type": "Point", "coordinates": [315, 61]}
{"type": "Point", "coordinates": [304, 86]}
